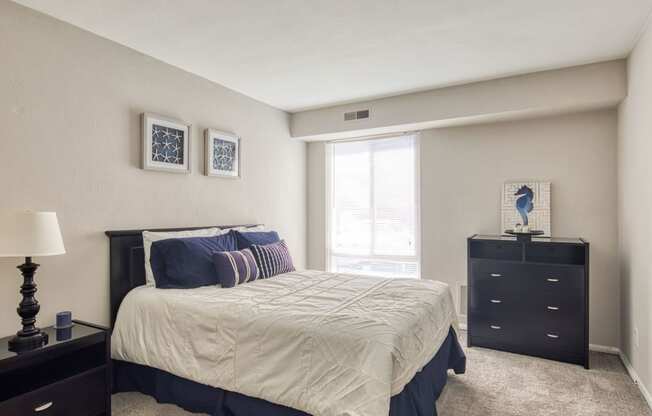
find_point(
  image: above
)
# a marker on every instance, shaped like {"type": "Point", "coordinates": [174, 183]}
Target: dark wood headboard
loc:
{"type": "Point", "coordinates": [127, 261]}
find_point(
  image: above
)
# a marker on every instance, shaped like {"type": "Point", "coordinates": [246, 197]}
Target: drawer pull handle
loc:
{"type": "Point", "coordinates": [494, 327]}
{"type": "Point", "coordinates": [553, 280]}
{"type": "Point", "coordinates": [553, 308]}
{"type": "Point", "coordinates": [496, 275]}
{"type": "Point", "coordinates": [553, 336]}
{"type": "Point", "coordinates": [496, 301]}
{"type": "Point", "coordinates": [44, 406]}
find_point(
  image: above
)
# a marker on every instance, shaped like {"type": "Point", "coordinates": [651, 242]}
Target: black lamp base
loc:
{"type": "Point", "coordinates": [27, 343]}
{"type": "Point", "coordinates": [30, 337]}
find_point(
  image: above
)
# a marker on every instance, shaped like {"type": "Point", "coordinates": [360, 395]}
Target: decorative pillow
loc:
{"type": "Point", "coordinates": [260, 238]}
{"type": "Point", "coordinates": [235, 267]}
{"type": "Point", "coordinates": [184, 263]}
{"type": "Point", "coordinates": [272, 259]}
{"type": "Point", "coordinates": [150, 236]}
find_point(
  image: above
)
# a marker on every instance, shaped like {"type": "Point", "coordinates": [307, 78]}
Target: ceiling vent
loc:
{"type": "Point", "coordinates": [356, 115]}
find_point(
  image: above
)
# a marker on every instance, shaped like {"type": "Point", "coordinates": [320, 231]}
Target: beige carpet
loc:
{"type": "Point", "coordinates": [500, 384]}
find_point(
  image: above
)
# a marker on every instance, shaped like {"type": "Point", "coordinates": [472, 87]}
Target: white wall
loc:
{"type": "Point", "coordinates": [462, 172]}
{"type": "Point", "coordinates": [635, 204]}
{"type": "Point", "coordinates": [586, 87]}
{"type": "Point", "coordinates": [70, 142]}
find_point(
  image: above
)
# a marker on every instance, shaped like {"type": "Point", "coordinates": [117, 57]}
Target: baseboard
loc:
{"type": "Point", "coordinates": [634, 375]}
{"type": "Point", "coordinates": [605, 349]}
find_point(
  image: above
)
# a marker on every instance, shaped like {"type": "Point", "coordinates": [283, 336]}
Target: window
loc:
{"type": "Point", "coordinates": [373, 217]}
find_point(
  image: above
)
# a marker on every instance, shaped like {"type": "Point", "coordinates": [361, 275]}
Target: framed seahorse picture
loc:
{"type": "Point", "coordinates": [526, 203]}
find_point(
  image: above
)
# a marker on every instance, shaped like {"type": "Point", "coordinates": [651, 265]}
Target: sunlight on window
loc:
{"type": "Point", "coordinates": [373, 218]}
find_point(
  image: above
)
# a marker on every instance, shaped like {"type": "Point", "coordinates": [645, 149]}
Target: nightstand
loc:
{"type": "Point", "coordinates": [67, 377]}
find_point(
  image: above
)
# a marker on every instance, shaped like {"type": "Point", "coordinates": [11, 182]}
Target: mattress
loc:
{"type": "Point", "coordinates": [324, 343]}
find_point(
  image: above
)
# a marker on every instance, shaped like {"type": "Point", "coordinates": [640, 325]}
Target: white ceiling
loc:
{"type": "Point", "coordinates": [298, 54]}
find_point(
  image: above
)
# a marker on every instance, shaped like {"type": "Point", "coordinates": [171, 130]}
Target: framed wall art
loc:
{"type": "Point", "coordinates": [221, 154]}
{"type": "Point", "coordinates": [166, 144]}
{"type": "Point", "coordinates": [526, 203]}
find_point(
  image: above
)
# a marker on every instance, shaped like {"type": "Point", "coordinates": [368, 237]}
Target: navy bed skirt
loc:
{"type": "Point", "coordinates": [417, 398]}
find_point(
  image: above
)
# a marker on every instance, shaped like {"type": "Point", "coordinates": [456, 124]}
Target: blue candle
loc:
{"type": "Point", "coordinates": [64, 319]}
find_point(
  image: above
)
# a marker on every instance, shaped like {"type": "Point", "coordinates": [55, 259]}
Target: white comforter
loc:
{"type": "Point", "coordinates": [327, 344]}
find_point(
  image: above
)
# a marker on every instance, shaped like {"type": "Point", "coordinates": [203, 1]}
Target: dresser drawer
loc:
{"type": "Point", "coordinates": [557, 342]}
{"type": "Point", "coordinates": [496, 250]}
{"type": "Point", "coordinates": [496, 275]}
{"type": "Point", "coordinates": [558, 279]}
{"type": "Point", "coordinates": [496, 323]}
{"type": "Point", "coordinates": [81, 395]}
{"type": "Point", "coordinates": [548, 308]}
{"type": "Point", "coordinates": [499, 301]}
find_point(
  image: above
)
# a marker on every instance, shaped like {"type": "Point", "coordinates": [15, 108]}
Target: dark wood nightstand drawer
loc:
{"type": "Point", "coordinates": [81, 395]}
{"type": "Point", "coordinates": [70, 375]}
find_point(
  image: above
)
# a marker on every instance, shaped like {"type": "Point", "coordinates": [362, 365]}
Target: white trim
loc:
{"type": "Point", "coordinates": [375, 256]}
{"type": "Point", "coordinates": [417, 200]}
{"type": "Point", "coordinates": [376, 136]}
{"type": "Point", "coordinates": [604, 349]}
{"type": "Point", "coordinates": [462, 326]}
{"type": "Point", "coordinates": [637, 379]}
{"type": "Point", "coordinates": [328, 154]}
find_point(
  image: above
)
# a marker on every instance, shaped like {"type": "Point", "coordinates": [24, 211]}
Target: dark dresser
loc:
{"type": "Point", "coordinates": [70, 376]}
{"type": "Point", "coordinates": [530, 297]}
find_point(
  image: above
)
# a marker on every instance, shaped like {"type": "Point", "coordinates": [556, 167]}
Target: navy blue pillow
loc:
{"type": "Point", "coordinates": [185, 263]}
{"type": "Point", "coordinates": [235, 267]}
{"type": "Point", "coordinates": [259, 238]}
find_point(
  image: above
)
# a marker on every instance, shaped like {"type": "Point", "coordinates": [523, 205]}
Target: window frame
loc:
{"type": "Point", "coordinates": [329, 253]}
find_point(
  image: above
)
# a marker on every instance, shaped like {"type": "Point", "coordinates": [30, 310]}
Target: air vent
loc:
{"type": "Point", "coordinates": [356, 115]}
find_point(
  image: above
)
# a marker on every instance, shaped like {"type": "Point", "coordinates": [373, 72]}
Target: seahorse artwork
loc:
{"type": "Point", "coordinates": [524, 203]}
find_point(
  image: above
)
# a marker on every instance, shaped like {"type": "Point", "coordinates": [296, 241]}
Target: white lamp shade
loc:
{"type": "Point", "coordinates": [30, 234]}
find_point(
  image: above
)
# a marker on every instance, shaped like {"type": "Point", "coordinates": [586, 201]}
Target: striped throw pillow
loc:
{"type": "Point", "coordinates": [272, 259]}
{"type": "Point", "coordinates": [235, 267]}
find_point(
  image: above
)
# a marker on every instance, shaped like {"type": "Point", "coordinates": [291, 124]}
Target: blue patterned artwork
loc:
{"type": "Point", "coordinates": [224, 155]}
{"type": "Point", "coordinates": [167, 145]}
{"type": "Point", "coordinates": [526, 203]}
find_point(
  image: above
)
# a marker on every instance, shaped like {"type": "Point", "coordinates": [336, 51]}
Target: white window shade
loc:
{"type": "Point", "coordinates": [373, 221]}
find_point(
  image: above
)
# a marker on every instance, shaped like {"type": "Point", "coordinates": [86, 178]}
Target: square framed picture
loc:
{"type": "Point", "coordinates": [526, 203]}
{"type": "Point", "coordinates": [166, 144]}
{"type": "Point", "coordinates": [222, 154]}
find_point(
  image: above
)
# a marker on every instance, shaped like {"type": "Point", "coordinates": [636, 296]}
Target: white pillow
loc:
{"type": "Point", "coordinates": [246, 229]}
{"type": "Point", "coordinates": [150, 236]}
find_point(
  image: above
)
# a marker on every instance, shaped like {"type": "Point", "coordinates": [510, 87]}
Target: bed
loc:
{"type": "Point", "coordinates": [301, 343]}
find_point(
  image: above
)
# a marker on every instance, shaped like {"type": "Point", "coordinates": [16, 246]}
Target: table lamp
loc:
{"type": "Point", "coordinates": [29, 234]}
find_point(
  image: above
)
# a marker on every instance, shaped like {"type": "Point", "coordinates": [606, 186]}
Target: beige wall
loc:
{"type": "Point", "coordinates": [70, 142]}
{"type": "Point", "coordinates": [462, 171]}
{"type": "Point", "coordinates": [600, 85]}
{"type": "Point", "coordinates": [635, 205]}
